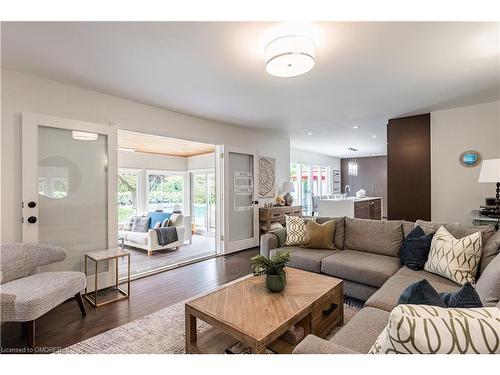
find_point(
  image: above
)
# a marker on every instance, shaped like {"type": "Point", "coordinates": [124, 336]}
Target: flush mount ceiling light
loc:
{"type": "Point", "coordinates": [84, 136]}
{"type": "Point", "coordinates": [290, 56]}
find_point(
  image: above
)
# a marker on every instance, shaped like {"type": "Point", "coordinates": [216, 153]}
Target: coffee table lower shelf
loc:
{"type": "Point", "coordinates": [215, 341]}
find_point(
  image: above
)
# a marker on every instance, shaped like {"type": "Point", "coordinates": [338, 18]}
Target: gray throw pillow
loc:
{"type": "Point", "coordinates": [128, 225]}
{"type": "Point", "coordinates": [141, 224]}
{"type": "Point", "coordinates": [488, 285]}
{"type": "Point", "coordinates": [490, 250]}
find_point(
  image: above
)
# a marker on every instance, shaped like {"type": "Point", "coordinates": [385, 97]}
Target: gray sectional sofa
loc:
{"type": "Point", "coordinates": [368, 261]}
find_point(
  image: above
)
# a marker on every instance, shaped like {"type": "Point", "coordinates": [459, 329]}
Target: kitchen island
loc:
{"type": "Point", "coordinates": [361, 208]}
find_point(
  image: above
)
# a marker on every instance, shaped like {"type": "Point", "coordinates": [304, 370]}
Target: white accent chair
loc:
{"type": "Point", "coordinates": [25, 294]}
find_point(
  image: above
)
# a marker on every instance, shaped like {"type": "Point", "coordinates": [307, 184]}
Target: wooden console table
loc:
{"type": "Point", "coordinates": [276, 214]}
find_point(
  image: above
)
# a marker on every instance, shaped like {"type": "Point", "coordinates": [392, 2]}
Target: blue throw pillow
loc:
{"type": "Point", "coordinates": [421, 293]}
{"type": "Point", "coordinates": [415, 249]}
{"type": "Point", "coordinates": [158, 217]}
{"type": "Point", "coordinates": [466, 297]}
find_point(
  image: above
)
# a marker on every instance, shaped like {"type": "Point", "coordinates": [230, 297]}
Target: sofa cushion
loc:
{"type": "Point", "coordinates": [373, 236]}
{"type": "Point", "coordinates": [338, 238]}
{"type": "Point", "coordinates": [491, 248]}
{"type": "Point", "coordinates": [457, 230]}
{"type": "Point", "coordinates": [386, 298]}
{"type": "Point", "coordinates": [157, 217]}
{"type": "Point", "coordinates": [415, 329]}
{"type": "Point", "coordinates": [415, 249]}
{"type": "Point", "coordinates": [456, 259]}
{"type": "Point", "coordinates": [407, 227]}
{"type": "Point", "coordinates": [315, 345]}
{"type": "Point", "coordinates": [305, 259]}
{"type": "Point", "coordinates": [320, 236]}
{"type": "Point", "coordinates": [420, 293]}
{"type": "Point", "coordinates": [141, 224]}
{"type": "Point", "coordinates": [138, 237]}
{"type": "Point", "coordinates": [358, 290]}
{"type": "Point", "coordinates": [366, 268]}
{"type": "Point", "coordinates": [360, 333]}
{"type": "Point", "coordinates": [488, 285]}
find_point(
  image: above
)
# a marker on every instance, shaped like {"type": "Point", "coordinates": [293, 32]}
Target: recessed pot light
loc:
{"type": "Point", "coordinates": [355, 127]}
{"type": "Point", "coordinates": [374, 136]}
{"type": "Point", "coordinates": [309, 133]}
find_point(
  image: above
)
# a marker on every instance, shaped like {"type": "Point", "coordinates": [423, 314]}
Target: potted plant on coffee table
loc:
{"type": "Point", "coordinates": [273, 268]}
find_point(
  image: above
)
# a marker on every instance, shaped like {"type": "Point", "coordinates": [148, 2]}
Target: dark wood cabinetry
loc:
{"type": "Point", "coordinates": [372, 177]}
{"type": "Point", "coordinates": [369, 209]}
{"type": "Point", "coordinates": [409, 168]}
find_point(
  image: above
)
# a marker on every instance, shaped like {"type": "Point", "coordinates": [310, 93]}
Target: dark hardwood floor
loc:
{"type": "Point", "coordinates": [64, 325]}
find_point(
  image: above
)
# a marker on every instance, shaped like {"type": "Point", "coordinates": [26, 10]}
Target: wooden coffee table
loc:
{"type": "Point", "coordinates": [247, 312]}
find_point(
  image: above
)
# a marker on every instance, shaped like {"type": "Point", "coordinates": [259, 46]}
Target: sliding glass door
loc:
{"type": "Point", "coordinates": [203, 198]}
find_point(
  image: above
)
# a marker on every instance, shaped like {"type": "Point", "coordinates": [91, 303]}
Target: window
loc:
{"type": "Point", "coordinates": [128, 182]}
{"type": "Point", "coordinates": [324, 181]}
{"type": "Point", "coordinates": [295, 179]}
{"type": "Point", "coordinates": [165, 191]}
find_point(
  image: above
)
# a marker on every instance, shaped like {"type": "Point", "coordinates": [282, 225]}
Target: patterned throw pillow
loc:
{"type": "Point", "coordinates": [454, 259]}
{"type": "Point", "coordinates": [295, 230]}
{"type": "Point", "coordinates": [419, 329]}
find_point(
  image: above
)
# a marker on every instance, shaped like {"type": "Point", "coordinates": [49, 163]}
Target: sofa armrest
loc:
{"type": "Point", "coordinates": [315, 345]}
{"type": "Point", "coordinates": [153, 237]}
{"type": "Point", "coordinates": [268, 242]}
{"type": "Point", "coordinates": [272, 240]}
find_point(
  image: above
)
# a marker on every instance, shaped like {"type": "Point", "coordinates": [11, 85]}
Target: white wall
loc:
{"type": "Point", "coordinates": [454, 188]}
{"type": "Point", "coordinates": [25, 93]}
{"type": "Point", "coordinates": [297, 155]}
{"type": "Point", "coordinates": [206, 161]}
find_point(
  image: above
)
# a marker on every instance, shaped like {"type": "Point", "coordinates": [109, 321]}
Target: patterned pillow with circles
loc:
{"type": "Point", "coordinates": [423, 329]}
{"type": "Point", "coordinates": [295, 230]}
{"type": "Point", "coordinates": [455, 259]}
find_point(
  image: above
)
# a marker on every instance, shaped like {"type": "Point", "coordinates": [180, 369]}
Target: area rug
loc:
{"type": "Point", "coordinates": [159, 333]}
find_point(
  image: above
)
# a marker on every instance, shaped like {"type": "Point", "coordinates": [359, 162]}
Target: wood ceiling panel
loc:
{"type": "Point", "coordinates": [154, 144]}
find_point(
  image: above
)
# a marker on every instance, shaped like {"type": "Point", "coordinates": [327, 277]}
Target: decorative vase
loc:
{"type": "Point", "coordinates": [288, 199]}
{"type": "Point", "coordinates": [276, 283]}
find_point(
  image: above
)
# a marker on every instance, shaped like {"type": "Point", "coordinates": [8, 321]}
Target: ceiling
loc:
{"type": "Point", "coordinates": [154, 144]}
{"type": "Point", "coordinates": [365, 73]}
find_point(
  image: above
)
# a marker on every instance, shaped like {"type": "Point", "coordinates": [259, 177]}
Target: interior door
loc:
{"type": "Point", "coordinates": [240, 218]}
{"type": "Point", "coordinates": [69, 189]}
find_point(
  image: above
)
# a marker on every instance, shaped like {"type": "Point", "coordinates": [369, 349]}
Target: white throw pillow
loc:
{"type": "Point", "coordinates": [455, 259]}
{"type": "Point", "coordinates": [422, 329]}
{"type": "Point", "coordinates": [295, 230]}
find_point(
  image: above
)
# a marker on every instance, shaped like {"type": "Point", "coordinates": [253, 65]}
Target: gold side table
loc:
{"type": "Point", "coordinates": [106, 255]}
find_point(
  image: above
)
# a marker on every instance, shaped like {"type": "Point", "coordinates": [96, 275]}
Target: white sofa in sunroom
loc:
{"type": "Point", "coordinates": [149, 240]}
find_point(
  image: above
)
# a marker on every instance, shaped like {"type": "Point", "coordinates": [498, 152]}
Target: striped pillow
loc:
{"type": "Point", "coordinates": [420, 329]}
{"type": "Point", "coordinates": [454, 259]}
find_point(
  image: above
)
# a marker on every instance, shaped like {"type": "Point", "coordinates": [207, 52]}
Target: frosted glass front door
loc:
{"type": "Point", "coordinates": [72, 189]}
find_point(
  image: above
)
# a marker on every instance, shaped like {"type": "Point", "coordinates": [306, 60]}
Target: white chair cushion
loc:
{"type": "Point", "coordinates": [37, 294]}
{"type": "Point", "coordinates": [138, 237]}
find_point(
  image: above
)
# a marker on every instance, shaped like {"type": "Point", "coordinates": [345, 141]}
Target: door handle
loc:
{"type": "Point", "coordinates": [32, 220]}
{"type": "Point", "coordinates": [331, 309]}
{"type": "Point", "coordinates": [31, 204]}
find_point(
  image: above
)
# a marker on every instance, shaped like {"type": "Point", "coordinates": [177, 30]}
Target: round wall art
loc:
{"type": "Point", "coordinates": [470, 158]}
